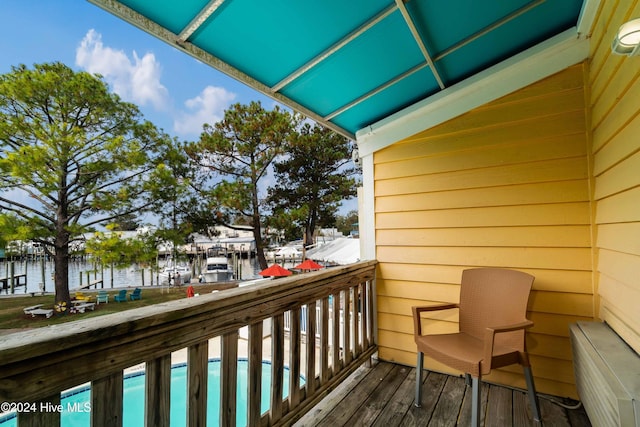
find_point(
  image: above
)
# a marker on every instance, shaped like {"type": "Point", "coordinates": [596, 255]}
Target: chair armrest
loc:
{"type": "Point", "coordinates": [489, 336]}
{"type": "Point", "coordinates": [417, 327]}
{"type": "Point", "coordinates": [510, 328]}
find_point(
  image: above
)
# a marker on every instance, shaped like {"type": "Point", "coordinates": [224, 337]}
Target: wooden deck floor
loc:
{"type": "Point", "coordinates": [383, 396]}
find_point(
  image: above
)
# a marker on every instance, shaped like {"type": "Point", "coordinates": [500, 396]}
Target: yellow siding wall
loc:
{"type": "Point", "coordinates": [615, 101]}
{"type": "Point", "coordinates": [504, 185]}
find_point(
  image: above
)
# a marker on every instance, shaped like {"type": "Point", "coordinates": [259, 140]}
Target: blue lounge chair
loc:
{"type": "Point", "coordinates": [121, 297]}
{"type": "Point", "coordinates": [103, 296]}
{"type": "Point", "coordinates": [135, 294]}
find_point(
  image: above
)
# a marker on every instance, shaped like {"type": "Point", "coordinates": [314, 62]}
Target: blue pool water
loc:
{"type": "Point", "coordinates": [133, 411]}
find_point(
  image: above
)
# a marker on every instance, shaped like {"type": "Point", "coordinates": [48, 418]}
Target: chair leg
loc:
{"type": "Point", "coordinates": [533, 397]}
{"type": "Point", "coordinates": [475, 402]}
{"type": "Point", "coordinates": [418, 402]}
{"type": "Point", "coordinates": [467, 379]}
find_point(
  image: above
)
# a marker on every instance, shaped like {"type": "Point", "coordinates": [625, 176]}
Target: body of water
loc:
{"type": "Point", "coordinates": [82, 272]}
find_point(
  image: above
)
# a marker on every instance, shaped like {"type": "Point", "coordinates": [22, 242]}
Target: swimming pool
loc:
{"type": "Point", "coordinates": [133, 398]}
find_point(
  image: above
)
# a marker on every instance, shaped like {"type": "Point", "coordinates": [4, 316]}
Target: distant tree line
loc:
{"type": "Point", "coordinates": [74, 157]}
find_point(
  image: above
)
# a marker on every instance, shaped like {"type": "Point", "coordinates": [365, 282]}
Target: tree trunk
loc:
{"type": "Point", "coordinates": [257, 235]}
{"type": "Point", "coordinates": [61, 265]}
{"type": "Point", "coordinates": [257, 229]}
{"type": "Point", "coordinates": [311, 227]}
{"type": "Point", "coordinates": [308, 241]}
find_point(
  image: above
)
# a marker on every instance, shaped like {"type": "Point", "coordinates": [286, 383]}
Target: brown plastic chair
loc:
{"type": "Point", "coordinates": [493, 305]}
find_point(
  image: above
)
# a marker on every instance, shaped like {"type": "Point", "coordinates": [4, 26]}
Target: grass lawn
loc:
{"type": "Point", "coordinates": [12, 316]}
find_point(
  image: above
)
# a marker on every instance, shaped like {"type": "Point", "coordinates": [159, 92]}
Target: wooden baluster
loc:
{"type": "Point", "coordinates": [158, 391]}
{"type": "Point", "coordinates": [44, 413]}
{"type": "Point", "coordinates": [372, 313]}
{"type": "Point", "coordinates": [336, 363]}
{"type": "Point", "coordinates": [228, 379]}
{"type": "Point", "coordinates": [324, 341]}
{"type": "Point", "coordinates": [106, 401]}
{"type": "Point", "coordinates": [197, 378]}
{"type": "Point", "coordinates": [254, 378]}
{"type": "Point", "coordinates": [311, 348]}
{"type": "Point", "coordinates": [364, 296]}
{"type": "Point", "coordinates": [277, 367]}
{"type": "Point", "coordinates": [355, 302]}
{"type": "Point", "coordinates": [294, 358]}
{"type": "Point", "coordinates": [347, 326]}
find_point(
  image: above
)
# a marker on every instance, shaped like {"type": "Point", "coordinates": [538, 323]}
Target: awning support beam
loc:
{"type": "Point", "coordinates": [200, 19]}
{"type": "Point", "coordinates": [419, 41]}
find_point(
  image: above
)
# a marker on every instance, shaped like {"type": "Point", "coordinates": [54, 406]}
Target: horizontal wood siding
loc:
{"type": "Point", "coordinates": [615, 91]}
{"type": "Point", "coordinates": [505, 185]}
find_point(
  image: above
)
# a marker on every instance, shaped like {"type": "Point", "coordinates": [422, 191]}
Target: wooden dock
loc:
{"type": "Point", "coordinates": [384, 396]}
{"type": "Point", "coordinates": [91, 284]}
{"type": "Point", "coordinates": [18, 280]}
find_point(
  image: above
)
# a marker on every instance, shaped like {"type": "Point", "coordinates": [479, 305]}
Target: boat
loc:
{"type": "Point", "coordinates": [175, 275]}
{"type": "Point", "coordinates": [217, 267]}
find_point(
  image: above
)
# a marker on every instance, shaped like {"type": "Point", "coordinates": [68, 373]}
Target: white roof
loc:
{"type": "Point", "coordinates": [340, 251]}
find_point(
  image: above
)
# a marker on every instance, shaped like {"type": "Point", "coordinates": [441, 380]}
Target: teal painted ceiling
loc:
{"type": "Point", "coordinates": [349, 64]}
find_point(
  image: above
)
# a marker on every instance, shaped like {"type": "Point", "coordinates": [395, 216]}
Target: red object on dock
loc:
{"type": "Point", "coordinates": [308, 264]}
{"type": "Point", "coordinates": [276, 271]}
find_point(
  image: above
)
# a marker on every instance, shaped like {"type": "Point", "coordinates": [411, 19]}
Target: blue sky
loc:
{"type": "Point", "coordinates": [173, 90]}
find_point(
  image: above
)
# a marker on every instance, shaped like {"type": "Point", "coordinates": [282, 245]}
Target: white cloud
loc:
{"type": "Point", "coordinates": [208, 107]}
{"type": "Point", "coordinates": [135, 79]}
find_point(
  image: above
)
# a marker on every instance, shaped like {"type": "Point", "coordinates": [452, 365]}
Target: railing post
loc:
{"type": "Point", "coordinates": [106, 401]}
{"type": "Point", "coordinates": [158, 391]}
{"type": "Point", "coordinates": [364, 311]}
{"type": "Point", "coordinates": [355, 302]}
{"type": "Point", "coordinates": [197, 377]}
{"type": "Point", "coordinates": [277, 366]}
{"type": "Point", "coordinates": [311, 348]}
{"type": "Point", "coordinates": [254, 376]}
{"type": "Point", "coordinates": [294, 357]}
{"type": "Point", "coordinates": [41, 416]}
{"type": "Point", "coordinates": [324, 341]}
{"type": "Point", "coordinates": [373, 321]}
{"type": "Point", "coordinates": [228, 378]}
{"type": "Point", "coordinates": [336, 364]}
{"type": "Point", "coordinates": [346, 328]}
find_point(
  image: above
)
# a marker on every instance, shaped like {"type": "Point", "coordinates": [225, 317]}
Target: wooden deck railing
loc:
{"type": "Point", "coordinates": [36, 366]}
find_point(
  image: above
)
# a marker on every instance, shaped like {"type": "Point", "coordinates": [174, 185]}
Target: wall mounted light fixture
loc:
{"type": "Point", "coordinates": [627, 41]}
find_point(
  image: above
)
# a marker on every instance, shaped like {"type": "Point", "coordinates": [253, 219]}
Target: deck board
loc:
{"type": "Point", "coordinates": [499, 407]}
{"type": "Point", "coordinates": [465, 412]}
{"type": "Point", "coordinates": [380, 397]}
{"type": "Point", "coordinates": [449, 403]}
{"type": "Point", "coordinates": [400, 402]}
{"type": "Point", "coordinates": [383, 395]}
{"type": "Point", "coordinates": [342, 412]}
